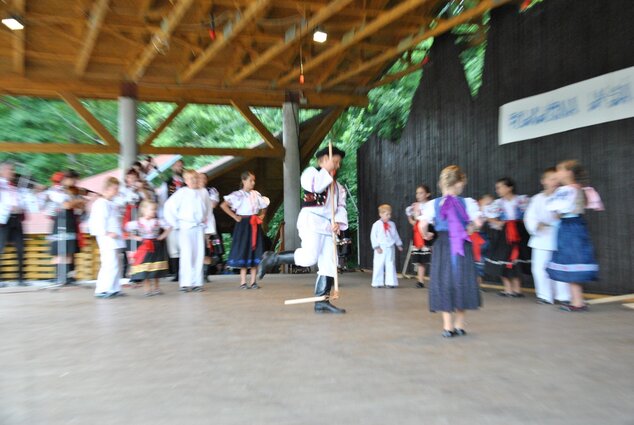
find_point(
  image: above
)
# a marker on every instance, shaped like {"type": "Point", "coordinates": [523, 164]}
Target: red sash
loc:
{"type": "Point", "coordinates": [513, 239]}
{"type": "Point", "coordinates": [476, 243]}
{"type": "Point", "coordinates": [254, 221]}
{"type": "Point", "coordinates": [417, 238]}
{"type": "Point", "coordinates": [146, 246]}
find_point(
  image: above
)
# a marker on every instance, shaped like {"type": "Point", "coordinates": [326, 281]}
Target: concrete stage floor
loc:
{"type": "Point", "coordinates": [229, 356]}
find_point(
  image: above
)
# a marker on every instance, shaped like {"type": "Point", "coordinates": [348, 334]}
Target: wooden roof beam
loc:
{"type": "Point", "coordinates": [384, 19]}
{"type": "Point", "coordinates": [179, 107]}
{"type": "Point", "coordinates": [255, 122]}
{"type": "Point", "coordinates": [90, 119]}
{"type": "Point", "coordinates": [255, 10]}
{"type": "Point", "coordinates": [169, 24]}
{"type": "Point", "coordinates": [15, 85]}
{"type": "Point", "coordinates": [185, 150]}
{"type": "Point", "coordinates": [324, 13]}
{"type": "Point", "coordinates": [52, 147]}
{"type": "Point", "coordinates": [19, 62]}
{"type": "Point", "coordinates": [95, 20]}
{"type": "Point", "coordinates": [442, 27]}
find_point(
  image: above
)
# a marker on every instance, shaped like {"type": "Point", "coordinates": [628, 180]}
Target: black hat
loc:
{"type": "Point", "coordinates": [326, 151]}
{"type": "Point", "coordinates": [71, 174]}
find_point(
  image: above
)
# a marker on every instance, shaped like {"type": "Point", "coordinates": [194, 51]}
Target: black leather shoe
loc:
{"type": "Point", "coordinates": [448, 334]}
{"type": "Point", "coordinates": [272, 259]}
{"type": "Point", "coordinates": [420, 285]}
{"type": "Point", "coordinates": [459, 332]}
{"type": "Point", "coordinates": [326, 307]}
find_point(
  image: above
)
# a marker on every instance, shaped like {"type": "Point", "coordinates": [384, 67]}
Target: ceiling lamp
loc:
{"type": "Point", "coordinates": [13, 23]}
{"type": "Point", "coordinates": [320, 36]}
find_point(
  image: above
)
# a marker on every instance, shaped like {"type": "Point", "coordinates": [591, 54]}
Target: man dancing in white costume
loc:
{"type": "Point", "coordinates": [315, 227]}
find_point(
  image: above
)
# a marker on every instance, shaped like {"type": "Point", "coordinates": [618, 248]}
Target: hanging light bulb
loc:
{"type": "Point", "coordinates": [320, 36]}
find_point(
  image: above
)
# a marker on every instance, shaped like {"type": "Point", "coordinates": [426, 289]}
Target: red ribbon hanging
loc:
{"type": "Point", "coordinates": [146, 246]}
{"type": "Point", "coordinates": [254, 221]}
{"type": "Point", "coordinates": [513, 239]}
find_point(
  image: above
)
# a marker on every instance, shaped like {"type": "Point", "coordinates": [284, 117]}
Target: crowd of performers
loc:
{"type": "Point", "coordinates": [459, 239]}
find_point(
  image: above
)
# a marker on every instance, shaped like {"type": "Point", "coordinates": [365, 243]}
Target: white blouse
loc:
{"type": "Point", "coordinates": [147, 229]}
{"type": "Point", "coordinates": [247, 203]}
{"type": "Point", "coordinates": [566, 200]}
{"type": "Point", "coordinates": [505, 209]}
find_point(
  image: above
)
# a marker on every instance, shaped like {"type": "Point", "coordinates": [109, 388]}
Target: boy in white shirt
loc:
{"type": "Point", "coordinates": [542, 226]}
{"type": "Point", "coordinates": [105, 224]}
{"type": "Point", "coordinates": [384, 237]}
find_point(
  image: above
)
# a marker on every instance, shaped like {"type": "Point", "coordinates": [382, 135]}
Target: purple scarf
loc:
{"type": "Point", "coordinates": [454, 213]}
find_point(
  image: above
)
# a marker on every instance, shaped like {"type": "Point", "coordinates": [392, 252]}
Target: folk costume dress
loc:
{"type": "Point", "coordinates": [385, 236]}
{"type": "Point", "coordinates": [247, 244]}
{"type": "Point", "coordinates": [574, 261]}
{"type": "Point", "coordinates": [314, 220]}
{"type": "Point", "coordinates": [453, 278]}
{"type": "Point", "coordinates": [509, 254]}
{"type": "Point", "coordinates": [13, 205]}
{"type": "Point", "coordinates": [65, 237]}
{"type": "Point", "coordinates": [105, 217]}
{"type": "Point", "coordinates": [150, 259]}
{"type": "Point", "coordinates": [543, 243]}
{"type": "Point", "coordinates": [189, 210]}
{"type": "Point", "coordinates": [422, 248]}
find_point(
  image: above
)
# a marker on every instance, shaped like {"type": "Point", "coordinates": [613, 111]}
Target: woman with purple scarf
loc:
{"type": "Point", "coordinates": [453, 286]}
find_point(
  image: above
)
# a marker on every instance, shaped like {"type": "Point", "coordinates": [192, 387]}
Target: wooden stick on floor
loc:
{"type": "Point", "coordinates": [305, 300]}
{"type": "Point", "coordinates": [614, 299]}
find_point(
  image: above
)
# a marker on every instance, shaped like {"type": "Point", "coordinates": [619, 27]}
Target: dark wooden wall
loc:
{"type": "Point", "coordinates": [556, 43]}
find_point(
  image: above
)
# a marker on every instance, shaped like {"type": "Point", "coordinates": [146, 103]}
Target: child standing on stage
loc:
{"type": "Point", "coordinates": [316, 226]}
{"type": "Point", "coordinates": [453, 286]}
{"type": "Point", "coordinates": [150, 259]}
{"type": "Point", "coordinates": [189, 210]}
{"type": "Point", "coordinates": [422, 254]}
{"type": "Point", "coordinates": [105, 224]}
{"type": "Point", "coordinates": [479, 239]}
{"type": "Point", "coordinates": [509, 252]}
{"type": "Point", "coordinates": [384, 237]}
{"type": "Point", "coordinates": [247, 207]}
{"type": "Point", "coordinates": [542, 226]}
{"type": "Point", "coordinates": [574, 261]}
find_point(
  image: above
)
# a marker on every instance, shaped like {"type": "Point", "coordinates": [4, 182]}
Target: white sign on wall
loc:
{"type": "Point", "coordinates": [609, 97]}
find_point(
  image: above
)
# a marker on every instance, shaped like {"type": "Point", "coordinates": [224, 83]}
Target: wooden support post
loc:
{"type": "Point", "coordinates": [89, 118]}
{"type": "Point", "coordinates": [165, 123]}
{"type": "Point", "coordinates": [255, 122]}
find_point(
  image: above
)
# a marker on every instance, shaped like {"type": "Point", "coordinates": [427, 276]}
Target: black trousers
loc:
{"type": "Point", "coordinates": [12, 233]}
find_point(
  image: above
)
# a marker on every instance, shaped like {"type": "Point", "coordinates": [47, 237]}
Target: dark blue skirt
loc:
{"type": "Point", "coordinates": [574, 260]}
{"type": "Point", "coordinates": [242, 254]}
{"type": "Point", "coordinates": [453, 282]}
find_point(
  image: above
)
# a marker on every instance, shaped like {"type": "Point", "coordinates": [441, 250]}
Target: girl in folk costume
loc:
{"type": "Point", "coordinates": [247, 207]}
{"type": "Point", "coordinates": [384, 237]}
{"type": "Point", "coordinates": [453, 285]}
{"type": "Point", "coordinates": [150, 259]}
{"type": "Point", "coordinates": [189, 209]}
{"type": "Point", "coordinates": [65, 204]}
{"type": "Point", "coordinates": [105, 224]}
{"type": "Point", "coordinates": [509, 254]}
{"type": "Point", "coordinates": [574, 261]}
{"type": "Point", "coordinates": [316, 226]}
{"type": "Point", "coordinates": [422, 253]}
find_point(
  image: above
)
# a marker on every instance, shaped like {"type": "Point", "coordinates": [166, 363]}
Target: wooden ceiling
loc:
{"type": "Point", "coordinates": [90, 48]}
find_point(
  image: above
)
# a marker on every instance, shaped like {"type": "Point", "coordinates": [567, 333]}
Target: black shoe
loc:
{"type": "Point", "coordinates": [244, 286]}
{"type": "Point", "coordinates": [420, 285]}
{"type": "Point", "coordinates": [517, 295]}
{"type": "Point", "coordinates": [459, 332]}
{"type": "Point", "coordinates": [326, 307]}
{"type": "Point", "coordinates": [505, 294]}
{"type": "Point", "coordinates": [254, 286]}
{"type": "Point", "coordinates": [270, 260]}
{"type": "Point", "coordinates": [542, 301]}
{"type": "Point", "coordinates": [185, 288]}
{"type": "Point", "coordinates": [23, 283]}
{"type": "Point", "coordinates": [197, 289]}
{"type": "Point", "coordinates": [448, 334]}
{"type": "Point", "coordinates": [562, 302]}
